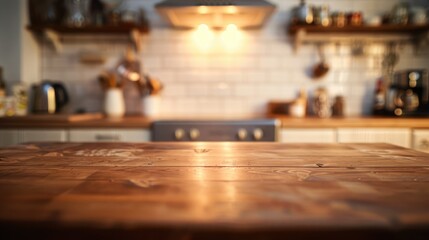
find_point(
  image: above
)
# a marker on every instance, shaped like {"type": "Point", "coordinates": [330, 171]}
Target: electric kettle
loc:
{"type": "Point", "coordinates": [49, 97]}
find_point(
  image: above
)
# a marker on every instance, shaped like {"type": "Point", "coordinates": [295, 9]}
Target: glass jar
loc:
{"type": "Point", "coordinates": [77, 12]}
{"type": "Point", "coordinates": [400, 14]}
{"type": "Point", "coordinates": [355, 18]}
{"type": "Point", "coordinates": [339, 19]}
{"type": "Point", "coordinates": [321, 103]}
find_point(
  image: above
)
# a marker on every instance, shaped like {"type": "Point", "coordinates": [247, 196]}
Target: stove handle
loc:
{"type": "Point", "coordinates": [258, 134]}
{"type": "Point", "coordinates": [242, 134]}
{"type": "Point", "coordinates": [194, 134]}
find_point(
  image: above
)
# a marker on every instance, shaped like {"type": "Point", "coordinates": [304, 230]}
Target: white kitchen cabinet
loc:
{"type": "Point", "coordinates": [8, 137]}
{"type": "Point", "coordinates": [396, 136]}
{"type": "Point", "coordinates": [421, 140]}
{"type": "Point", "coordinates": [109, 135]}
{"type": "Point", "coordinates": [15, 136]}
{"type": "Point", "coordinates": [308, 135]}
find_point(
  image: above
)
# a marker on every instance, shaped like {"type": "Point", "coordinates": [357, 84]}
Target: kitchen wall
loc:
{"type": "Point", "coordinates": [19, 52]}
{"type": "Point", "coordinates": [223, 79]}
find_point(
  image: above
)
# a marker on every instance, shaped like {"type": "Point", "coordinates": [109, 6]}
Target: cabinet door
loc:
{"type": "Point", "coordinates": [109, 135]}
{"type": "Point", "coordinates": [396, 136]}
{"type": "Point", "coordinates": [42, 135]}
{"type": "Point", "coordinates": [17, 136]}
{"type": "Point", "coordinates": [9, 137]}
{"type": "Point", "coordinates": [421, 140]}
{"type": "Point", "coordinates": [310, 135]}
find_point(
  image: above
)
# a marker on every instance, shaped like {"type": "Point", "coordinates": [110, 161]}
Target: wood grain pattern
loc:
{"type": "Point", "coordinates": [126, 122]}
{"type": "Point", "coordinates": [213, 190]}
{"type": "Point", "coordinates": [286, 122]}
{"type": "Point", "coordinates": [365, 122]}
{"type": "Point", "coordinates": [55, 118]}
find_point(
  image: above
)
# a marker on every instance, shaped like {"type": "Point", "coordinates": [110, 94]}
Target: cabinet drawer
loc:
{"type": "Point", "coordinates": [396, 136]}
{"type": "Point", "coordinates": [109, 135]}
{"type": "Point", "coordinates": [17, 136]}
{"type": "Point", "coordinates": [311, 135]}
{"type": "Point", "coordinates": [421, 140]}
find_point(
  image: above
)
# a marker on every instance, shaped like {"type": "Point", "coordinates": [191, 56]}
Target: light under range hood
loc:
{"type": "Point", "coordinates": [216, 13]}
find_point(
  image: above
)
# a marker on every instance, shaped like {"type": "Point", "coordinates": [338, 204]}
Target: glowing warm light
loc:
{"type": "Point", "coordinates": [231, 28]}
{"type": "Point", "coordinates": [231, 10]}
{"type": "Point", "coordinates": [231, 37]}
{"type": "Point", "coordinates": [204, 37]}
{"type": "Point", "coordinates": [203, 10]}
{"type": "Point", "coordinates": [134, 76]}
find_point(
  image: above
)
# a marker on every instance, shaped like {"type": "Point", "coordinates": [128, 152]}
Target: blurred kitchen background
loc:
{"type": "Point", "coordinates": [212, 77]}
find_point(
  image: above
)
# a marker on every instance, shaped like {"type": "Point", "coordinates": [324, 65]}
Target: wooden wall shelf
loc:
{"type": "Point", "coordinates": [383, 29]}
{"type": "Point", "coordinates": [53, 32]}
{"type": "Point", "coordinates": [109, 29]}
{"type": "Point", "coordinates": [386, 33]}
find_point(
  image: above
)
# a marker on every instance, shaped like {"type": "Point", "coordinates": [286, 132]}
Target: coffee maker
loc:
{"type": "Point", "coordinates": [408, 94]}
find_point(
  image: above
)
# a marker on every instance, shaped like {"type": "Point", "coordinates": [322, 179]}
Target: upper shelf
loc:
{"type": "Point", "coordinates": [382, 29]}
{"type": "Point", "coordinates": [53, 32]}
{"type": "Point", "coordinates": [108, 29]}
{"type": "Point", "coordinates": [312, 33]}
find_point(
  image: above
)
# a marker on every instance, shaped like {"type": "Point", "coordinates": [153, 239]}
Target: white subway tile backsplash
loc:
{"type": "Point", "coordinates": [269, 62]}
{"type": "Point", "coordinates": [253, 76]}
{"type": "Point", "coordinates": [172, 62]}
{"type": "Point", "coordinates": [221, 89]}
{"type": "Point", "coordinates": [198, 89]}
{"type": "Point", "coordinates": [174, 90]}
{"type": "Point", "coordinates": [152, 62]}
{"type": "Point", "coordinates": [244, 90]}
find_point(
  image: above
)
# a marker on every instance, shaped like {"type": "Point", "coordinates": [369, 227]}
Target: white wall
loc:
{"type": "Point", "coordinates": [19, 52]}
{"type": "Point", "coordinates": [219, 82]}
{"type": "Point", "coordinates": [10, 33]}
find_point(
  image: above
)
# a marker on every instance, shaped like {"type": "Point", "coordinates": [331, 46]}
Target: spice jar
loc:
{"type": "Point", "coordinates": [339, 19]}
{"type": "Point", "coordinates": [400, 13]}
{"type": "Point", "coordinates": [322, 16]}
{"type": "Point", "coordinates": [355, 18]}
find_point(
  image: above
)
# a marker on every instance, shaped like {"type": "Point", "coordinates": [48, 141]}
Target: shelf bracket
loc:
{"type": "Point", "coordinates": [136, 38]}
{"type": "Point", "coordinates": [298, 38]}
{"type": "Point", "coordinates": [54, 38]}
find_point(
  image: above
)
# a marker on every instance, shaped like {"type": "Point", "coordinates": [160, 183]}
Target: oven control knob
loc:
{"type": "Point", "coordinates": [258, 134]}
{"type": "Point", "coordinates": [194, 134]}
{"type": "Point", "coordinates": [179, 134]}
{"type": "Point", "coordinates": [242, 134]}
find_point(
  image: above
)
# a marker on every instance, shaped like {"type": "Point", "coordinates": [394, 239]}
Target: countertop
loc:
{"type": "Point", "coordinates": [213, 191]}
{"type": "Point", "coordinates": [144, 122]}
{"type": "Point", "coordinates": [351, 122]}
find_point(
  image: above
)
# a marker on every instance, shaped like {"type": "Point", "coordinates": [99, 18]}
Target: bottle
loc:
{"type": "Point", "coordinates": [2, 84]}
{"type": "Point", "coordinates": [338, 107]}
{"type": "Point", "coordinates": [305, 13]}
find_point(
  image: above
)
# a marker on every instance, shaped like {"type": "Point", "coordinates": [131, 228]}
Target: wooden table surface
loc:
{"type": "Point", "coordinates": [213, 191]}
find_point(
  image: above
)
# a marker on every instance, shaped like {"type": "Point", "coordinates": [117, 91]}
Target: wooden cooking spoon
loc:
{"type": "Point", "coordinates": [322, 68]}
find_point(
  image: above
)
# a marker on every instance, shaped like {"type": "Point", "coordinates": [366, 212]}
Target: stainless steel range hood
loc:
{"type": "Point", "coordinates": [215, 13]}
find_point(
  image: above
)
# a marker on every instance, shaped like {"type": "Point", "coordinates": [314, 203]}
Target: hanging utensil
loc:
{"type": "Point", "coordinates": [391, 58]}
{"type": "Point", "coordinates": [129, 67]}
{"type": "Point", "coordinates": [322, 68]}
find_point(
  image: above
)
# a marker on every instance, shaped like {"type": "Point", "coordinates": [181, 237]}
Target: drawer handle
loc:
{"type": "Point", "coordinates": [107, 137]}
